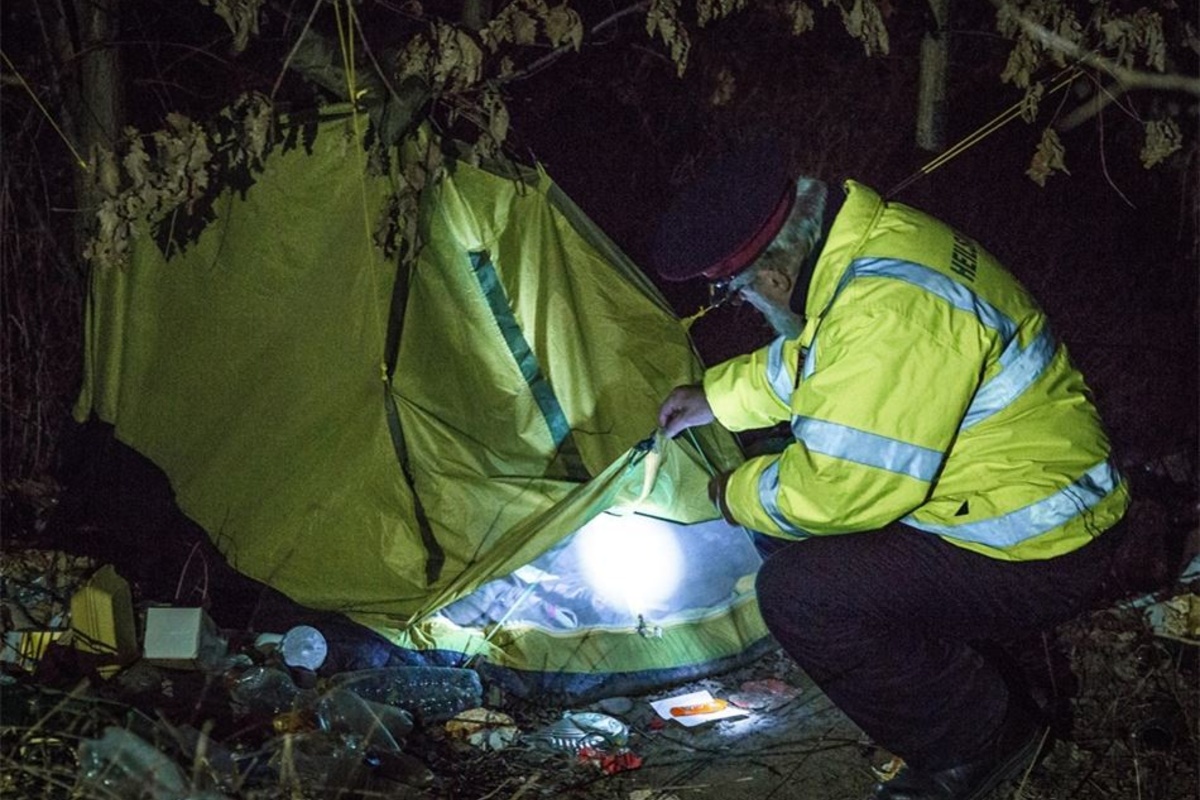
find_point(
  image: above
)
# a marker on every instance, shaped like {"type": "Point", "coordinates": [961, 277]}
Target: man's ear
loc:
{"type": "Point", "coordinates": [776, 282]}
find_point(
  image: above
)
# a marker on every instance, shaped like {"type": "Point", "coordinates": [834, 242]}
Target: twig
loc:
{"type": "Point", "coordinates": [1088, 776]}
{"type": "Point", "coordinates": [183, 573]}
{"type": "Point", "coordinates": [787, 779]}
{"type": "Point", "coordinates": [1104, 168]}
{"type": "Point", "coordinates": [292, 53]}
{"type": "Point", "coordinates": [525, 787]}
{"type": "Point", "coordinates": [1032, 763]}
{"type": "Point", "coordinates": [496, 791]}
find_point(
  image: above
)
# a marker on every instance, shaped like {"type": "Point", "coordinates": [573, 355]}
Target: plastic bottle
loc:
{"type": "Point", "coordinates": [380, 726]}
{"type": "Point", "coordinates": [317, 764]}
{"type": "Point", "coordinates": [432, 694]}
{"type": "Point", "coordinates": [121, 764]}
{"type": "Point", "coordinates": [266, 689]}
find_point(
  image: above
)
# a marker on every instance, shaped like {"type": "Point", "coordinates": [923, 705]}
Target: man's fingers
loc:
{"type": "Point", "coordinates": [685, 407]}
{"type": "Point", "coordinates": [671, 409]}
{"type": "Point", "coordinates": [666, 415]}
{"type": "Point", "coordinates": [674, 426]}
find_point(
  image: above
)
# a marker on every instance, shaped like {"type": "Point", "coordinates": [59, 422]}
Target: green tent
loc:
{"type": "Point", "coordinates": [460, 453]}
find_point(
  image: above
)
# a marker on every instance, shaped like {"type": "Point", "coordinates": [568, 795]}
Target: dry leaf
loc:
{"type": "Point", "coordinates": [1048, 158]}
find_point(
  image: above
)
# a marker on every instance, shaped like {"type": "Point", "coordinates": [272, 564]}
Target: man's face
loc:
{"type": "Point", "coordinates": [769, 292]}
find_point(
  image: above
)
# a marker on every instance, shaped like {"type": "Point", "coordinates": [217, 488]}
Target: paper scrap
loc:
{"type": "Point", "coordinates": [663, 709]}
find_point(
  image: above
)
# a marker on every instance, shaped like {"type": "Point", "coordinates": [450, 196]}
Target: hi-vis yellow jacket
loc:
{"type": "Point", "coordinates": [926, 387]}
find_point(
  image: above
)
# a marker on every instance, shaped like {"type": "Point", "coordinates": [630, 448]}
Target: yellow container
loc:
{"type": "Point", "coordinates": [102, 620]}
{"type": "Point", "coordinates": [25, 648]}
{"type": "Point", "coordinates": [33, 646]}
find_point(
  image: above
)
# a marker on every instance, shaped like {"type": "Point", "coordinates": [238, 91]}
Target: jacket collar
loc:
{"type": "Point", "coordinates": [799, 298]}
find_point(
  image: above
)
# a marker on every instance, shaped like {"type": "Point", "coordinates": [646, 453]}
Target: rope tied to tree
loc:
{"type": "Point", "coordinates": [1062, 80]}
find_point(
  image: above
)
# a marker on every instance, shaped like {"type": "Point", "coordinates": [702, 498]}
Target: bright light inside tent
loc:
{"type": "Point", "coordinates": [630, 561]}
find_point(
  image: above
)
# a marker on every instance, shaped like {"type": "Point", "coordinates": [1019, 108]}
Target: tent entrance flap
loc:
{"type": "Point", "coordinates": [618, 571]}
{"type": "Point", "coordinates": [621, 587]}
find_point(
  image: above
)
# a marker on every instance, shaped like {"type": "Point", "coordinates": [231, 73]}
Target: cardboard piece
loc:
{"type": "Point", "coordinates": [102, 620]}
{"type": "Point", "coordinates": [182, 638]}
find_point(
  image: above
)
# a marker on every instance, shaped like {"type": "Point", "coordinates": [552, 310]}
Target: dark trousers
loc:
{"type": "Point", "coordinates": [891, 625]}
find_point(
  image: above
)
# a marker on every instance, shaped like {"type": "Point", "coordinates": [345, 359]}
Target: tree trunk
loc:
{"type": "Point", "coordinates": [931, 101]}
{"type": "Point", "coordinates": [92, 91]}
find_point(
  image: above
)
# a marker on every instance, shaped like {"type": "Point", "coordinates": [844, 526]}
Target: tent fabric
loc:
{"type": "Point", "coordinates": [255, 367]}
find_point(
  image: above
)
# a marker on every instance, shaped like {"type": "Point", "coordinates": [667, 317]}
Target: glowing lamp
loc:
{"type": "Point", "coordinates": [631, 561]}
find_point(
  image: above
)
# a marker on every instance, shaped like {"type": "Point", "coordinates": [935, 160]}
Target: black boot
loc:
{"type": "Point", "coordinates": [1020, 742]}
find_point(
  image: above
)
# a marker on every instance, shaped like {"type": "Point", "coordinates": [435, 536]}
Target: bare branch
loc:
{"type": "Point", "coordinates": [559, 51]}
{"type": "Point", "coordinates": [1103, 98]}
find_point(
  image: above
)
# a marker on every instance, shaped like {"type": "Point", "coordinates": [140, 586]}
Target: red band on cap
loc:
{"type": "Point", "coordinates": [744, 255]}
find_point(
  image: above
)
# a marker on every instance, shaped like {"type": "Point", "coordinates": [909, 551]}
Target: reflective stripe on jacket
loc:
{"type": "Point", "coordinates": [930, 390]}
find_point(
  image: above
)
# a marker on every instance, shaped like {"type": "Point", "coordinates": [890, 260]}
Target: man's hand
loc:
{"type": "Point", "coordinates": [685, 407]}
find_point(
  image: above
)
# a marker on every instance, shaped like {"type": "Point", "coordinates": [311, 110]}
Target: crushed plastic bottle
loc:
{"type": "Point", "coordinates": [266, 689]}
{"type": "Point", "coordinates": [432, 694]}
{"type": "Point", "coordinates": [380, 726]}
{"type": "Point", "coordinates": [122, 764]}
{"type": "Point", "coordinates": [207, 759]}
{"type": "Point", "coordinates": [317, 764]}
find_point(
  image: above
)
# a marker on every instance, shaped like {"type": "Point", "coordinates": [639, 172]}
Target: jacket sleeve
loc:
{"type": "Point", "coordinates": [755, 390]}
{"type": "Point", "coordinates": [873, 418]}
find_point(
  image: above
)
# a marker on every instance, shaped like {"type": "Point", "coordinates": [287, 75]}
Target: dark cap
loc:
{"type": "Point", "coordinates": [721, 223]}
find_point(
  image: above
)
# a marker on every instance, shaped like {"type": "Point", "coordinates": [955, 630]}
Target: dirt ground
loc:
{"type": "Point", "coordinates": [1131, 733]}
{"type": "Point", "coordinates": [1134, 736]}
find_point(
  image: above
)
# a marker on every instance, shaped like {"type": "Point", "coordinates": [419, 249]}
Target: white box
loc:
{"type": "Point", "coordinates": [178, 637]}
